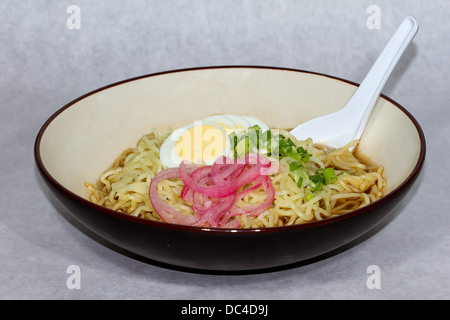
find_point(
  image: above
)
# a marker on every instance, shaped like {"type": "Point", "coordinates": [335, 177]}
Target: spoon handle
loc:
{"type": "Point", "coordinates": [368, 92]}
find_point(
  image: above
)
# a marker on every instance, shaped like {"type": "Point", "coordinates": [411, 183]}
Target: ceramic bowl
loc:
{"type": "Point", "coordinates": [78, 142]}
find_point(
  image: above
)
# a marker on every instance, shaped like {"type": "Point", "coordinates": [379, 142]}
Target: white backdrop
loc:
{"type": "Point", "coordinates": [48, 59]}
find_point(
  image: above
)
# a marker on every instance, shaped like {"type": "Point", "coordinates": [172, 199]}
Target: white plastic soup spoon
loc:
{"type": "Point", "coordinates": [337, 129]}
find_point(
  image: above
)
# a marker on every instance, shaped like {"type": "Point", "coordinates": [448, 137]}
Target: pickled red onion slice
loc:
{"type": "Point", "coordinates": [214, 191]}
{"type": "Point", "coordinates": [165, 211]}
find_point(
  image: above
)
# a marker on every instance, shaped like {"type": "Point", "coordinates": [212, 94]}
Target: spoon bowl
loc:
{"type": "Point", "coordinates": [337, 129]}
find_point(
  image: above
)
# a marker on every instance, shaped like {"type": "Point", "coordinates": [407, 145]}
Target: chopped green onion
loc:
{"type": "Point", "coordinates": [303, 154]}
{"type": "Point", "coordinates": [293, 154]}
{"type": "Point", "coordinates": [315, 186]}
{"type": "Point", "coordinates": [309, 196]}
{"type": "Point", "coordinates": [290, 142]}
{"type": "Point", "coordinates": [255, 127]}
{"type": "Point", "coordinates": [267, 135]}
{"type": "Point", "coordinates": [330, 175]}
{"type": "Point", "coordinates": [316, 182]}
{"type": "Point", "coordinates": [267, 139]}
{"type": "Point", "coordinates": [299, 175]}
{"type": "Point", "coordinates": [283, 147]}
{"type": "Point", "coordinates": [243, 147]}
{"type": "Point", "coordinates": [294, 166]}
{"type": "Point", "coordinates": [263, 141]}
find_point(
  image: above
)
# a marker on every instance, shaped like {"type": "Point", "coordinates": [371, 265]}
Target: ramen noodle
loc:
{"type": "Point", "coordinates": [301, 194]}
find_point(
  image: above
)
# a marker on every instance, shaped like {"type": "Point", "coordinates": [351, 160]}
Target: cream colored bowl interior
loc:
{"type": "Point", "coordinates": [84, 139]}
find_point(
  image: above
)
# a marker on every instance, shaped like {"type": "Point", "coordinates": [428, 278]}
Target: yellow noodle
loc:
{"type": "Point", "coordinates": [124, 186]}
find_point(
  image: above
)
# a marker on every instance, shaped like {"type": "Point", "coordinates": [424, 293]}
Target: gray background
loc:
{"type": "Point", "coordinates": [44, 65]}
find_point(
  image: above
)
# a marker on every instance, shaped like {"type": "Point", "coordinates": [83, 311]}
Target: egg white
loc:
{"type": "Point", "coordinates": [239, 121]}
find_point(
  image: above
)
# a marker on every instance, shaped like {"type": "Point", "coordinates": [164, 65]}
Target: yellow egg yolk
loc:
{"type": "Point", "coordinates": [201, 144]}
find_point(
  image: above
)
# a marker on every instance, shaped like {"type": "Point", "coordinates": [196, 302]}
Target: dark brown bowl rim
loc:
{"type": "Point", "coordinates": [86, 203]}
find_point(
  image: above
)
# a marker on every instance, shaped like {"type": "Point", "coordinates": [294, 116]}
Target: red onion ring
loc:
{"type": "Point", "coordinates": [214, 191]}
{"type": "Point", "coordinates": [165, 211]}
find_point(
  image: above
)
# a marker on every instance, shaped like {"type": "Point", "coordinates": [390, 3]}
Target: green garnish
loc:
{"type": "Point", "coordinates": [294, 166]}
{"type": "Point", "coordinates": [303, 154]}
{"type": "Point", "coordinates": [316, 182]}
{"type": "Point", "coordinates": [299, 175]}
{"type": "Point", "coordinates": [322, 177]}
{"type": "Point", "coordinates": [330, 175]}
{"type": "Point", "coordinates": [255, 133]}
{"type": "Point", "coordinates": [266, 141]}
{"type": "Point", "coordinates": [309, 196]}
{"type": "Point", "coordinates": [246, 141]}
{"type": "Point", "coordinates": [278, 145]}
{"type": "Point", "coordinates": [243, 147]}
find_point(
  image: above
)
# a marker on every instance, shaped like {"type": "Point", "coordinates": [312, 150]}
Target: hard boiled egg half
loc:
{"type": "Point", "coordinates": [203, 141]}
